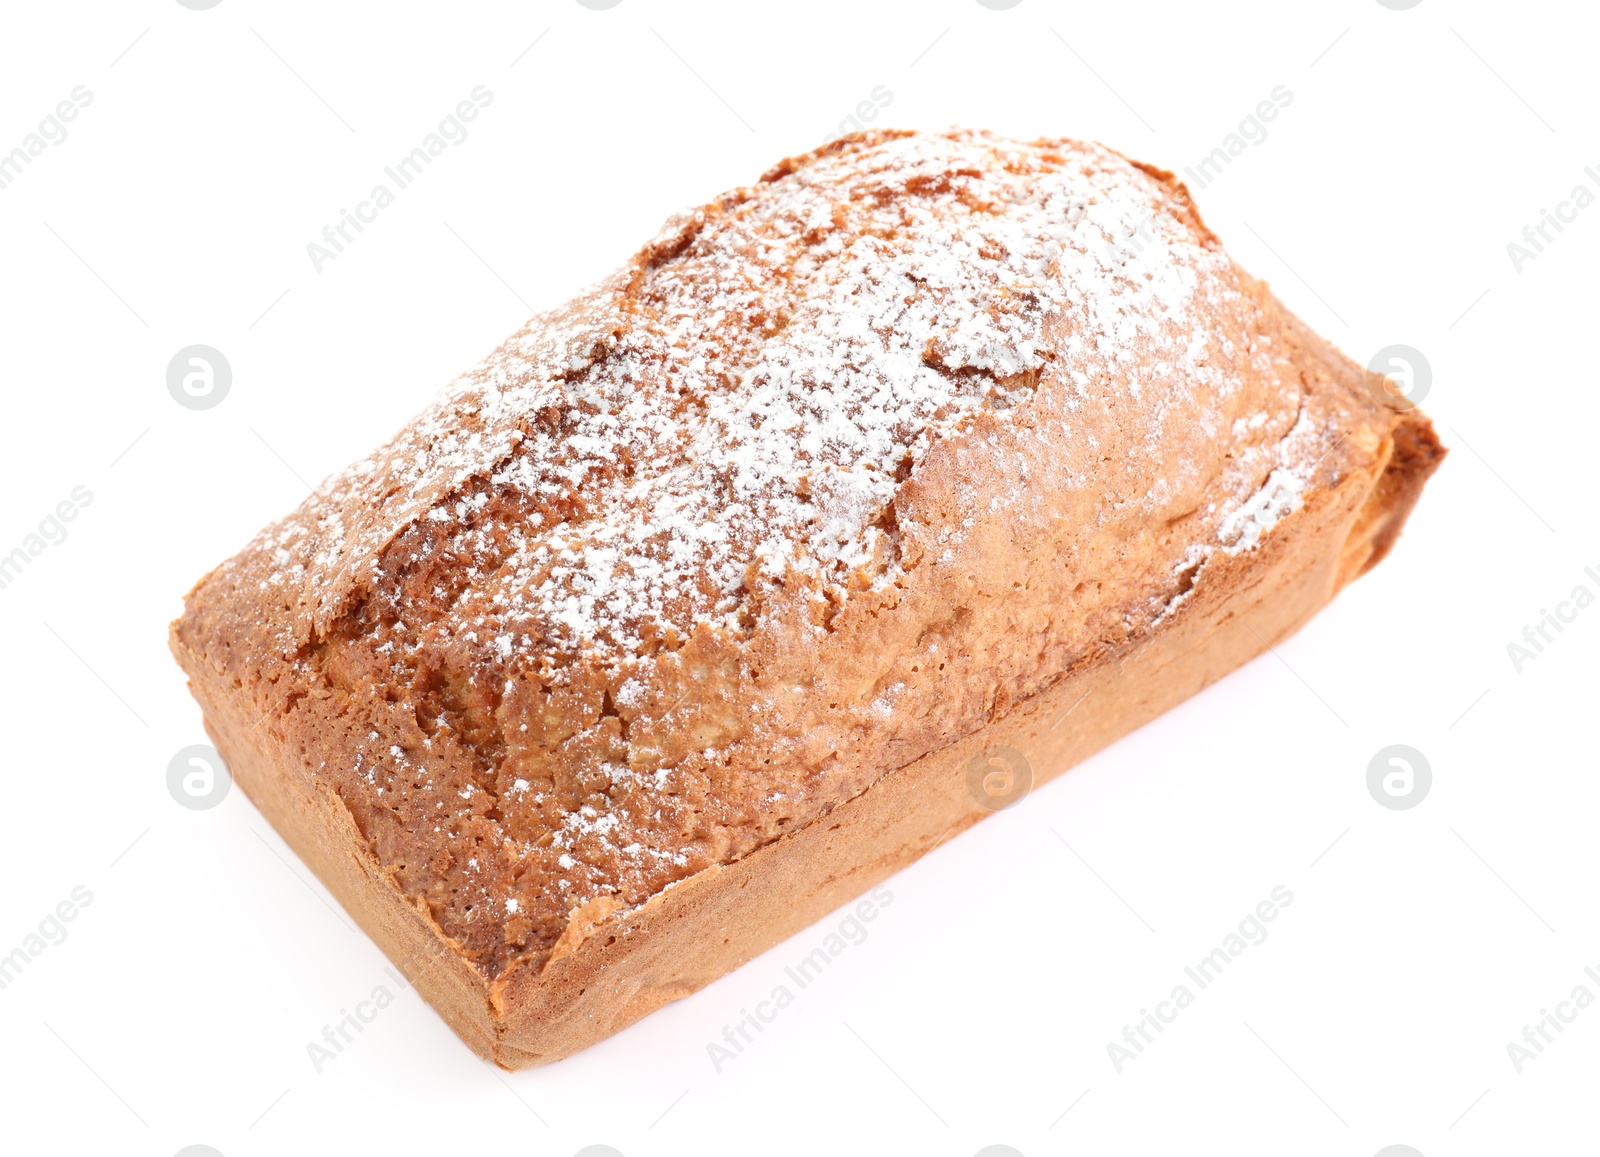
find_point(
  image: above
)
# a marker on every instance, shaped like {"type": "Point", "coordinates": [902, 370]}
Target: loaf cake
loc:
{"type": "Point", "coordinates": [688, 614]}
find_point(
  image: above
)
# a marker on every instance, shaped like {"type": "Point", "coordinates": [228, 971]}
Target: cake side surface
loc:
{"type": "Point", "coordinates": [839, 470]}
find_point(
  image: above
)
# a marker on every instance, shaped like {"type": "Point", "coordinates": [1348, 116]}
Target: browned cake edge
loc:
{"type": "Point", "coordinates": [611, 968]}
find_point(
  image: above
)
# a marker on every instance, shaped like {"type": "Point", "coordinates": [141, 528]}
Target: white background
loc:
{"type": "Point", "coordinates": [1418, 144]}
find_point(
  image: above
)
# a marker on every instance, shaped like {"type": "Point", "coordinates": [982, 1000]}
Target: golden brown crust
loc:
{"type": "Point", "coordinates": [610, 627]}
{"type": "Point", "coordinates": [609, 972]}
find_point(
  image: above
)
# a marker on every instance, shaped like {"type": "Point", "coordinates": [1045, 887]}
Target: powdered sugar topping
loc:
{"type": "Point", "coordinates": [782, 363]}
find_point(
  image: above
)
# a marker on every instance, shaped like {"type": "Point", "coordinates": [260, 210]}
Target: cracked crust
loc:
{"type": "Point", "coordinates": [1073, 442]}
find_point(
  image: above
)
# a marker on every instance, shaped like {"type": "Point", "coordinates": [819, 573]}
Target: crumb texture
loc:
{"type": "Point", "coordinates": [837, 468]}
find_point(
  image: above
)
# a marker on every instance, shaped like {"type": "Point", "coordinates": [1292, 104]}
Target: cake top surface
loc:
{"type": "Point", "coordinates": [742, 402]}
